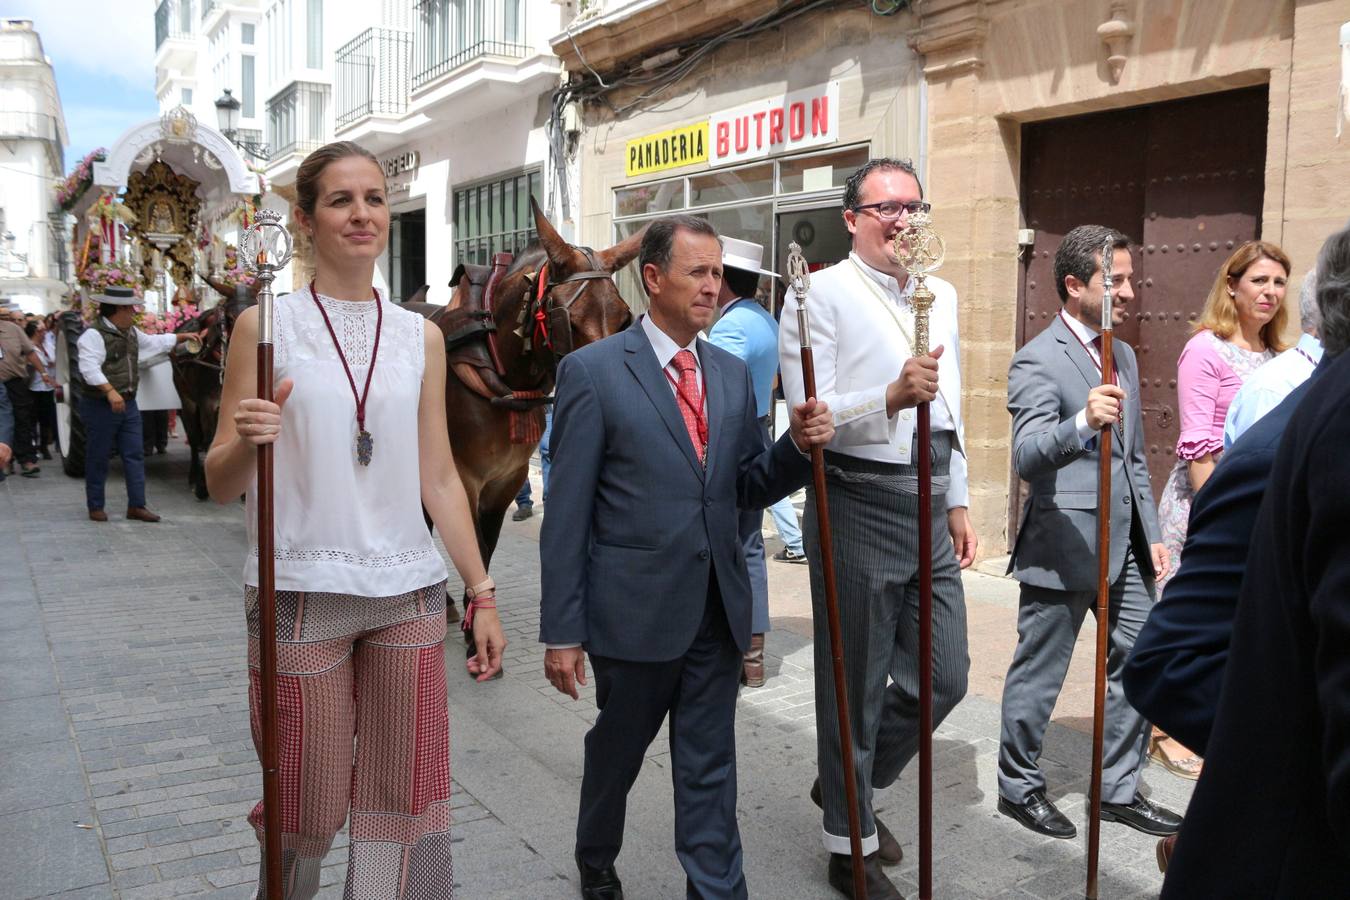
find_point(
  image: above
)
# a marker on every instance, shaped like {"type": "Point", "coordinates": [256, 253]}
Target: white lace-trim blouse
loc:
{"type": "Point", "coordinates": [342, 527]}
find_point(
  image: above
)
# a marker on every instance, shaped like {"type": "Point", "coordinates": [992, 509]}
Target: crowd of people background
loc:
{"type": "Point", "coordinates": [1240, 571]}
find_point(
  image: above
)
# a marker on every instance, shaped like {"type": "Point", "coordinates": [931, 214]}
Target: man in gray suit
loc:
{"type": "Point", "coordinates": [1059, 406]}
{"type": "Point", "coordinates": [656, 444]}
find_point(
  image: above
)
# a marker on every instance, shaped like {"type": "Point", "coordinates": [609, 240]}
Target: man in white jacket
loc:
{"type": "Point", "coordinates": [862, 333]}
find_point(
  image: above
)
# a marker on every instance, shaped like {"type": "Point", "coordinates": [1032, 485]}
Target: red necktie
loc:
{"type": "Point", "coordinates": [690, 401]}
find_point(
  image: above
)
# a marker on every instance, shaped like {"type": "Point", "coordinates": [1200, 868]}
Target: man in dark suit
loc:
{"type": "Point", "coordinates": [1059, 406]}
{"type": "Point", "coordinates": [1270, 817]}
{"type": "Point", "coordinates": [656, 444]}
{"type": "Point", "coordinates": [1175, 671]}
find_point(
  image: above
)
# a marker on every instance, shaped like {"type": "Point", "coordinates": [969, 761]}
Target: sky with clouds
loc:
{"type": "Point", "coordinates": [103, 52]}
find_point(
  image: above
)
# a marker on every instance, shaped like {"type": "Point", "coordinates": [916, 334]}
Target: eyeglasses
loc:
{"type": "Point", "coordinates": [890, 210]}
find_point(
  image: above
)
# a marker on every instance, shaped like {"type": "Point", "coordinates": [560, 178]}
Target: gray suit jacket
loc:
{"type": "Point", "coordinates": [1056, 547]}
{"type": "Point", "coordinates": [636, 527]}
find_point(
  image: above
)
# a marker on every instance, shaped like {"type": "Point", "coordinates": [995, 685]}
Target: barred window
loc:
{"type": "Point", "coordinates": [494, 216]}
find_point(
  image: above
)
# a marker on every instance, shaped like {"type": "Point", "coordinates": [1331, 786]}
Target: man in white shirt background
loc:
{"type": "Point", "coordinates": [109, 352]}
{"type": "Point", "coordinates": [1267, 386]}
{"type": "Point", "coordinates": [862, 335]}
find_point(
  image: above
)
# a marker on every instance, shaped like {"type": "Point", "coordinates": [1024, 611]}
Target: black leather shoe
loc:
{"type": "Point", "coordinates": [1040, 815]}
{"type": "Point", "coordinates": [1143, 815]}
{"type": "Point", "coordinates": [599, 884]}
{"type": "Point", "coordinates": [522, 513]}
{"type": "Point", "coordinates": [888, 848]}
{"type": "Point", "coordinates": [878, 886]}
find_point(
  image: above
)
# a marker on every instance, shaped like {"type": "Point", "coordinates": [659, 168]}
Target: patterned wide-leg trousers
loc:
{"type": "Point", "coordinates": [363, 723]}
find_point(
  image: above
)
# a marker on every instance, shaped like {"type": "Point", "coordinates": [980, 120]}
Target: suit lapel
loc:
{"type": "Point", "coordinates": [714, 393]}
{"type": "Point", "coordinates": [1084, 363]}
{"type": "Point", "coordinates": [641, 361]}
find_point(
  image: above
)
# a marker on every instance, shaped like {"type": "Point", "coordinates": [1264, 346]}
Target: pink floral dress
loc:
{"type": "Point", "coordinates": [1209, 373]}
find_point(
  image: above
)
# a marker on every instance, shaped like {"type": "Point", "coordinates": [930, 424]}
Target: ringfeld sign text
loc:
{"type": "Point", "coordinates": [783, 124]}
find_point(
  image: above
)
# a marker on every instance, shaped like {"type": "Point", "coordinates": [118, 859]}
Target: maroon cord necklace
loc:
{"type": "Point", "coordinates": [365, 444]}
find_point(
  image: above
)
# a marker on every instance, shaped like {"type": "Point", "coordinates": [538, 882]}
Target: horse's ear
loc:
{"type": "Point", "coordinates": [560, 253]}
{"type": "Point", "coordinates": [622, 253]}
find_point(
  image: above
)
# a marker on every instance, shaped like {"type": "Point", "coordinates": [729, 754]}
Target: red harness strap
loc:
{"type": "Point", "coordinates": [540, 313]}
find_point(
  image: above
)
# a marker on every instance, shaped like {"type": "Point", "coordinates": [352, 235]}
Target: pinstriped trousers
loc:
{"type": "Point", "coordinates": [874, 518]}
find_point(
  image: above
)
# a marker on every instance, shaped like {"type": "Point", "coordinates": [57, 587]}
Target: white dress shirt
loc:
{"type": "Point", "coordinates": [1267, 386]}
{"type": "Point", "coordinates": [92, 351]}
{"type": "Point", "coordinates": [862, 325]}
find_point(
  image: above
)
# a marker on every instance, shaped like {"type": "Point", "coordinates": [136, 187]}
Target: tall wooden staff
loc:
{"type": "Point", "coordinates": [920, 250]}
{"type": "Point", "coordinates": [260, 254]}
{"type": "Point", "coordinates": [1103, 584]}
{"type": "Point", "coordinates": [799, 275]}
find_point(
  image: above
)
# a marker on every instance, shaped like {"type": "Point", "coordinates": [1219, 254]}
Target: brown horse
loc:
{"type": "Point", "coordinates": [553, 298]}
{"type": "Point", "coordinates": [198, 376]}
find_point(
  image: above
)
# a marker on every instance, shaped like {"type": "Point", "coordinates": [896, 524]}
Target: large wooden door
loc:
{"type": "Point", "coordinates": [1185, 181]}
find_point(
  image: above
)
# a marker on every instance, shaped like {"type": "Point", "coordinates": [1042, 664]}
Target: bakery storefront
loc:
{"type": "Point", "coordinates": [766, 154]}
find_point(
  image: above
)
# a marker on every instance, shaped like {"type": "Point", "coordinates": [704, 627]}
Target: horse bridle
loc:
{"type": "Point", "coordinates": [555, 317]}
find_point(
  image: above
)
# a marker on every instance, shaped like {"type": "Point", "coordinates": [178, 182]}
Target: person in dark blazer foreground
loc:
{"type": "Point", "coordinates": [1270, 817]}
{"type": "Point", "coordinates": [1059, 406]}
{"type": "Point", "coordinates": [656, 444]}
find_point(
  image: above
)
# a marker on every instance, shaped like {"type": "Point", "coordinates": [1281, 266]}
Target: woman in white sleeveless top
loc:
{"type": "Point", "coordinates": [360, 440]}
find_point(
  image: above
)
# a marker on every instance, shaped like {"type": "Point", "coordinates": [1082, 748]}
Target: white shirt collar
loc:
{"type": "Point", "coordinates": [1083, 331]}
{"type": "Point", "coordinates": [665, 345]}
{"type": "Point", "coordinates": [1311, 346]}
{"type": "Point", "coordinates": [886, 282]}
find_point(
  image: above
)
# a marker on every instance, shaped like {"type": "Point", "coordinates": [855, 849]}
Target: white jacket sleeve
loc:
{"type": "Point", "coordinates": [859, 415]}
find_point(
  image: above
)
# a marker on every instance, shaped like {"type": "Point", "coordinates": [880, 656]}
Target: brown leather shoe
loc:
{"type": "Point", "coordinates": [98, 515]}
{"type": "Point", "coordinates": [752, 672]}
{"type": "Point", "coordinates": [141, 514]}
{"type": "Point", "coordinates": [1164, 851]}
{"type": "Point", "coordinates": [888, 848]}
{"type": "Point", "coordinates": [878, 886]}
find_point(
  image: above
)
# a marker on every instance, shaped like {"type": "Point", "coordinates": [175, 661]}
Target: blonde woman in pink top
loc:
{"type": "Point", "coordinates": [1239, 330]}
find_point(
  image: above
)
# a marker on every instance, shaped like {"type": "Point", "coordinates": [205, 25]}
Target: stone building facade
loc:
{"type": "Point", "coordinates": [1190, 124]}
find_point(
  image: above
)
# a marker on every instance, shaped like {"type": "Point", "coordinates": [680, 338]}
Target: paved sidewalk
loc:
{"type": "Point", "coordinates": [129, 769]}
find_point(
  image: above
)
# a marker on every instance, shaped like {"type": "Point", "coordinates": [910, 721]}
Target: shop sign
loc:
{"type": "Point", "coordinates": [784, 124]}
{"type": "Point", "coordinates": [670, 149]}
{"type": "Point", "coordinates": [400, 170]}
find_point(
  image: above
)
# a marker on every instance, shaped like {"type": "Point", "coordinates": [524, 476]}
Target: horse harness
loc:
{"type": "Point", "coordinates": [553, 319]}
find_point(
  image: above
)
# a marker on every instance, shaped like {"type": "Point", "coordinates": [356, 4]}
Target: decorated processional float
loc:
{"type": "Point", "coordinates": [161, 212]}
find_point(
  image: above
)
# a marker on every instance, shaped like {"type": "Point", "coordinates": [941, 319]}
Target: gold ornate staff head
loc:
{"type": "Point", "coordinates": [920, 250]}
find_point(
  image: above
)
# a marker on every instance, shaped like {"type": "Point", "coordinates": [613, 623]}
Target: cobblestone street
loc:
{"type": "Point", "coordinates": [129, 769]}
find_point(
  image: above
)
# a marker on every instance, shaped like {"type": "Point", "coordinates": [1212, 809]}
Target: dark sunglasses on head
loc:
{"type": "Point", "coordinates": [891, 209]}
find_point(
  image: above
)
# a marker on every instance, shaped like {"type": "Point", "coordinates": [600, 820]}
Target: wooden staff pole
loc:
{"type": "Point", "coordinates": [920, 250]}
{"type": "Point", "coordinates": [800, 277]}
{"type": "Point", "coordinates": [1103, 585]}
{"type": "Point", "coordinates": [261, 256]}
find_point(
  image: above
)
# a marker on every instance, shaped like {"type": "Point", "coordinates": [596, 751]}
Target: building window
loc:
{"type": "Point", "coordinates": [494, 217]}
{"type": "Point", "coordinates": [247, 85]}
{"type": "Point", "coordinates": [185, 96]}
{"type": "Point", "coordinates": [246, 34]}
{"type": "Point", "coordinates": [185, 17]}
{"type": "Point", "coordinates": [314, 34]}
{"type": "Point", "coordinates": [760, 202]}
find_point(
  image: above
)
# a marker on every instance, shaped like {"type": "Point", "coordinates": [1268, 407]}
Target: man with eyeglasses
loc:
{"type": "Point", "coordinates": [862, 335]}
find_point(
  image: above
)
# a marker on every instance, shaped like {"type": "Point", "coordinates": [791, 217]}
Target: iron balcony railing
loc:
{"type": "Point", "coordinates": [173, 19]}
{"type": "Point", "coordinates": [297, 119]}
{"type": "Point", "coordinates": [449, 33]}
{"type": "Point", "coordinates": [371, 75]}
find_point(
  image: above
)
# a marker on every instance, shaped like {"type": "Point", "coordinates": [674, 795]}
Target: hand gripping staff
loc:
{"type": "Point", "coordinates": [1103, 585]}
{"type": "Point", "coordinates": [800, 278]}
{"type": "Point", "coordinates": [267, 249]}
{"type": "Point", "coordinates": [921, 250]}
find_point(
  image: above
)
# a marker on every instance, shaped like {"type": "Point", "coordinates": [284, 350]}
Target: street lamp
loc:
{"type": "Point", "coordinates": [227, 116]}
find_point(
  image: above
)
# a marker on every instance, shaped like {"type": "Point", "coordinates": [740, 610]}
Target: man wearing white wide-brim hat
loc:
{"type": "Point", "coordinates": [109, 352]}
{"type": "Point", "coordinates": [747, 330]}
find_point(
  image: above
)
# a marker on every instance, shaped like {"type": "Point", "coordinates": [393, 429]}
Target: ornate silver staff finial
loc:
{"type": "Point", "coordinates": [921, 251]}
{"type": "Point", "coordinates": [266, 248]}
{"type": "Point", "coordinates": [799, 277]}
{"type": "Point", "coordinates": [1108, 260]}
